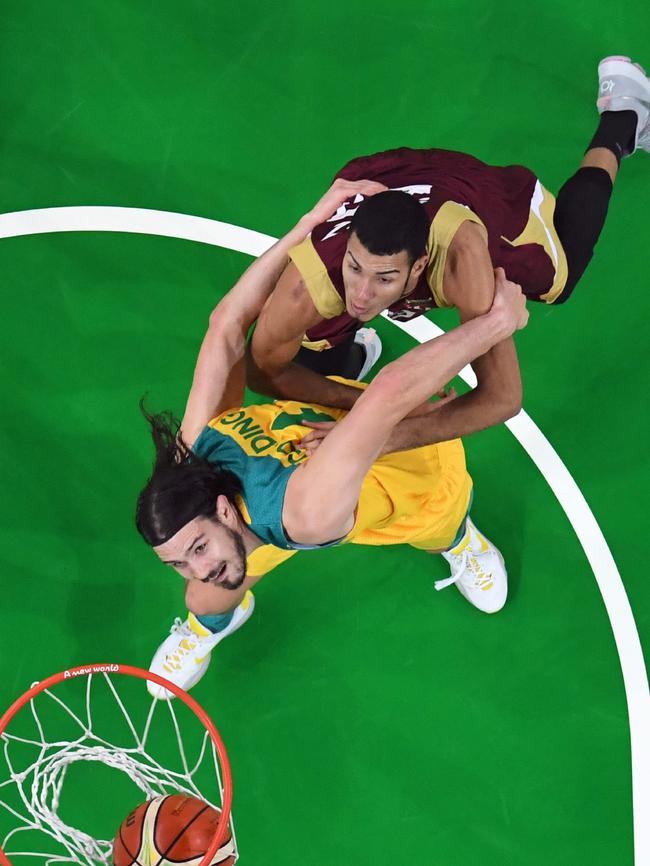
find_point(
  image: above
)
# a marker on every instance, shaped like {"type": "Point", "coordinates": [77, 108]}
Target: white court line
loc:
{"type": "Point", "coordinates": [541, 452]}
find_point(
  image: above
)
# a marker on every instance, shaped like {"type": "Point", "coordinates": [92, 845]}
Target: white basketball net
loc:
{"type": "Point", "coordinates": [31, 793]}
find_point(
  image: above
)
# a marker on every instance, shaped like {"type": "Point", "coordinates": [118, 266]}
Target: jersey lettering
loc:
{"type": "Point", "coordinates": [421, 190]}
{"type": "Point", "coordinates": [245, 427]}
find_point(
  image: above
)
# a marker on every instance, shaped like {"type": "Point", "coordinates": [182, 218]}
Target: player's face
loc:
{"type": "Point", "coordinates": [372, 283]}
{"type": "Point", "coordinates": [206, 550]}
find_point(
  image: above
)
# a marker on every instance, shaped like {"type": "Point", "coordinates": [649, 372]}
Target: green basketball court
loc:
{"type": "Point", "coordinates": [368, 719]}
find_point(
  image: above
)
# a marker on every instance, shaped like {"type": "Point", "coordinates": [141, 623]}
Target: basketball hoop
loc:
{"type": "Point", "coordinates": [37, 763]}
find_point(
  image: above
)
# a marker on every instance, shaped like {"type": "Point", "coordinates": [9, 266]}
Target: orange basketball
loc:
{"type": "Point", "coordinates": [171, 830]}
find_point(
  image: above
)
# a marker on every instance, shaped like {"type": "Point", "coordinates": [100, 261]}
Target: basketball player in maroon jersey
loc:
{"type": "Point", "coordinates": [433, 240]}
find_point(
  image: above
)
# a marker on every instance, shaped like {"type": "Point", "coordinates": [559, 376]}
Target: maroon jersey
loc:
{"type": "Point", "coordinates": [509, 202]}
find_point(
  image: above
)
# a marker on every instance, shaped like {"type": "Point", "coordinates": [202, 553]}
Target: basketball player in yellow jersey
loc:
{"type": "Point", "coordinates": [232, 494]}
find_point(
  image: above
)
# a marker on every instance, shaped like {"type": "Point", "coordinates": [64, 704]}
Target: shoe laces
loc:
{"type": "Point", "coordinates": [188, 641]}
{"type": "Point", "coordinates": [466, 568]}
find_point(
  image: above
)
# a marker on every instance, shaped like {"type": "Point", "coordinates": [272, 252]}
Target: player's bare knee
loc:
{"type": "Point", "coordinates": [204, 599]}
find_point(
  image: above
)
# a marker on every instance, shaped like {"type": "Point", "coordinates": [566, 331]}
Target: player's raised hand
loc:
{"type": "Point", "coordinates": [342, 190]}
{"type": "Point", "coordinates": [509, 303]}
{"type": "Point", "coordinates": [319, 430]}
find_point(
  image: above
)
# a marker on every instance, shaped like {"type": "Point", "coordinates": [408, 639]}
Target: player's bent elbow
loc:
{"type": "Point", "coordinates": [515, 400]}
{"type": "Point", "coordinates": [218, 318]}
{"type": "Point", "coordinates": [388, 385]}
{"type": "Point", "coordinates": [515, 407]}
{"type": "Point", "coordinates": [392, 392]}
{"type": "Point", "coordinates": [499, 407]}
{"type": "Point", "coordinates": [219, 327]}
{"type": "Point", "coordinates": [510, 411]}
{"type": "Point", "coordinates": [225, 320]}
{"type": "Point", "coordinates": [511, 407]}
{"type": "Point", "coordinates": [215, 318]}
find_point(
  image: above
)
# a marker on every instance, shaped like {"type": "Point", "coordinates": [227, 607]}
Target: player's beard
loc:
{"type": "Point", "coordinates": [238, 563]}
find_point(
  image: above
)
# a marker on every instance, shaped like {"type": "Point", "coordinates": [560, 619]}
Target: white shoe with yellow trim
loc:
{"type": "Point", "coordinates": [478, 570]}
{"type": "Point", "coordinates": [184, 656]}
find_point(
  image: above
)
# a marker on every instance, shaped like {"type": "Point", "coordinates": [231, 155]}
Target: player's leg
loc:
{"type": "Point", "coordinates": [581, 208]}
{"type": "Point", "coordinates": [433, 491]}
{"type": "Point", "coordinates": [477, 567]}
{"type": "Point", "coordinates": [213, 614]}
{"type": "Point", "coordinates": [352, 359]}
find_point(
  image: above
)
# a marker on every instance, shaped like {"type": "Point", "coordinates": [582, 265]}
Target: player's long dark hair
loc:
{"type": "Point", "coordinates": [182, 485]}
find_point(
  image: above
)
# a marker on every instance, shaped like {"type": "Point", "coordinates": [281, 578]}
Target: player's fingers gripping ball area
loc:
{"type": "Point", "coordinates": [168, 831]}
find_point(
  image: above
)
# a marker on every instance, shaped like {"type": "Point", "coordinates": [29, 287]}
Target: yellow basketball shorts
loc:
{"type": "Point", "coordinates": [417, 497]}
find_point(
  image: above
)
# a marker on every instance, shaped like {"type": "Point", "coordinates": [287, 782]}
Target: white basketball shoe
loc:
{"type": "Point", "coordinates": [369, 340]}
{"type": "Point", "coordinates": [624, 86]}
{"type": "Point", "coordinates": [478, 570]}
{"type": "Point", "coordinates": [184, 656]}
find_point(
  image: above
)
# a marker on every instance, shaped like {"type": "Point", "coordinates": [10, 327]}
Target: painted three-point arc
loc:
{"type": "Point", "coordinates": [537, 446]}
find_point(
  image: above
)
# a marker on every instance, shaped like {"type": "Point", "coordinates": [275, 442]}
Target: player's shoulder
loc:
{"type": "Point", "coordinates": [294, 291]}
{"type": "Point", "coordinates": [385, 161]}
{"type": "Point", "coordinates": [291, 284]}
{"type": "Point", "coordinates": [470, 236]}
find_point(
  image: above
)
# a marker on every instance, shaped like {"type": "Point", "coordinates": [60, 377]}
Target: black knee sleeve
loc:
{"type": "Point", "coordinates": [580, 213]}
{"type": "Point", "coordinates": [616, 132]}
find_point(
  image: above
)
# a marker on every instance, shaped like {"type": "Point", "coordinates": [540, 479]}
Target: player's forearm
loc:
{"type": "Point", "coordinates": [423, 371]}
{"type": "Point", "coordinates": [243, 303]}
{"type": "Point", "coordinates": [496, 398]}
{"type": "Point", "coordinates": [463, 416]}
{"type": "Point", "coordinates": [219, 376]}
{"type": "Point", "coordinates": [296, 382]}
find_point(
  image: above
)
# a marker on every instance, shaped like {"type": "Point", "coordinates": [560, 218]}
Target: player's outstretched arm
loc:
{"type": "Point", "coordinates": [469, 286]}
{"type": "Point", "coordinates": [323, 493]}
{"type": "Point", "coordinates": [280, 329]}
{"type": "Point", "coordinates": [219, 375]}
{"type": "Point", "coordinates": [486, 405]}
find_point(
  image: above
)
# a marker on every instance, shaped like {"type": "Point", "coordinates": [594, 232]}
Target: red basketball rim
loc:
{"type": "Point", "coordinates": [86, 670]}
